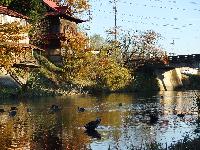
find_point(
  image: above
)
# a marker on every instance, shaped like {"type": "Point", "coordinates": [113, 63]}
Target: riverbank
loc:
{"type": "Point", "coordinates": [40, 82]}
{"type": "Point", "coordinates": [48, 80]}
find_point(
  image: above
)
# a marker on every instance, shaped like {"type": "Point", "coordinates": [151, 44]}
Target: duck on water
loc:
{"type": "Point", "coordinates": [81, 109]}
{"type": "Point", "coordinates": [13, 111]}
{"type": "Point", "coordinates": [54, 108]}
{"type": "Point", "coordinates": [92, 125]}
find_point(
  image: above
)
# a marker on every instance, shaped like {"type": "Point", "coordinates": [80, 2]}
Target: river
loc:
{"type": "Point", "coordinates": [125, 122]}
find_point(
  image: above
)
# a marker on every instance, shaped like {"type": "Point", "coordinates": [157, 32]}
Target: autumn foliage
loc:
{"type": "Point", "coordinates": [141, 49]}
{"type": "Point", "coordinates": [85, 68]}
{"type": "Point", "coordinates": [74, 6]}
{"type": "Point", "coordinates": [10, 48]}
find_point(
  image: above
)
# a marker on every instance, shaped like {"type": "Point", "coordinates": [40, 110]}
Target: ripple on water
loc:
{"type": "Point", "coordinates": [122, 127]}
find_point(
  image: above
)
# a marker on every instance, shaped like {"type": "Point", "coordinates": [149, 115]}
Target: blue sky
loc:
{"type": "Point", "coordinates": [177, 20]}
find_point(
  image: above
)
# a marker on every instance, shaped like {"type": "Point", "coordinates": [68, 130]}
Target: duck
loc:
{"type": "Point", "coordinates": [198, 98]}
{"type": "Point", "coordinates": [93, 134]}
{"type": "Point", "coordinates": [13, 111]}
{"type": "Point", "coordinates": [2, 110]}
{"type": "Point", "coordinates": [92, 125]}
{"type": "Point", "coordinates": [153, 118]}
{"type": "Point", "coordinates": [28, 110]}
{"type": "Point", "coordinates": [13, 108]}
{"type": "Point", "coordinates": [81, 109]}
{"type": "Point", "coordinates": [54, 108]}
{"type": "Point", "coordinates": [181, 115]}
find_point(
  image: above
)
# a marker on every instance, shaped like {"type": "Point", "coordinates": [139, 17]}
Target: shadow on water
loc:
{"type": "Point", "coordinates": [93, 134]}
{"type": "Point", "coordinates": [128, 121]}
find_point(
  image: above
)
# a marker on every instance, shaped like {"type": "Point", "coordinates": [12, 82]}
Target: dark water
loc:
{"type": "Point", "coordinates": [122, 127]}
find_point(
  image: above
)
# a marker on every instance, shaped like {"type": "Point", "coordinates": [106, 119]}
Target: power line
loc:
{"type": "Point", "coordinates": [115, 12]}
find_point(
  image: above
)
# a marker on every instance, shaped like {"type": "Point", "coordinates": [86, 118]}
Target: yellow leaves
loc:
{"type": "Point", "coordinates": [77, 6]}
{"type": "Point", "coordinates": [103, 62]}
{"type": "Point", "coordinates": [12, 32]}
{"type": "Point", "coordinates": [113, 75]}
{"type": "Point", "coordinates": [88, 69]}
{"type": "Point", "coordinates": [82, 4]}
{"type": "Point", "coordinates": [77, 42]}
{"type": "Point", "coordinates": [10, 50]}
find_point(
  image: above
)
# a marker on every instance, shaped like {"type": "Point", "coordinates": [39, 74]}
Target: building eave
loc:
{"type": "Point", "coordinates": [60, 11]}
{"type": "Point", "coordinates": [9, 12]}
{"type": "Point", "coordinates": [65, 16]}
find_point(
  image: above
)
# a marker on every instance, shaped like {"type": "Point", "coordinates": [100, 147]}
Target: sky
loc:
{"type": "Point", "coordinates": [175, 20]}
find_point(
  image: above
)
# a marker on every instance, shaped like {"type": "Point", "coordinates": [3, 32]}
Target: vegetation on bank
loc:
{"type": "Point", "coordinates": [145, 80]}
{"type": "Point", "coordinates": [191, 82]}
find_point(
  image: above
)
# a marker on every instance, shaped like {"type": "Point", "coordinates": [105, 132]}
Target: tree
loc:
{"type": "Point", "coordinates": [97, 42]}
{"type": "Point", "coordinates": [10, 50]}
{"type": "Point", "coordinates": [111, 75]}
{"type": "Point", "coordinates": [142, 49]}
{"type": "Point", "coordinates": [31, 8]}
{"type": "Point", "coordinates": [5, 2]}
{"type": "Point", "coordinates": [76, 46]}
{"type": "Point", "coordinates": [85, 68]}
{"type": "Point", "coordinates": [74, 6]}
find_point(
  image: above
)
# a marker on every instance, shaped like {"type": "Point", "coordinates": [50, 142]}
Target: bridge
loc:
{"type": "Point", "coordinates": [192, 61]}
{"type": "Point", "coordinates": [170, 77]}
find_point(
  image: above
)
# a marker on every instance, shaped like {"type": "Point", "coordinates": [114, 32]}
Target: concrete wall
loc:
{"type": "Point", "coordinates": [8, 81]}
{"type": "Point", "coordinates": [169, 80]}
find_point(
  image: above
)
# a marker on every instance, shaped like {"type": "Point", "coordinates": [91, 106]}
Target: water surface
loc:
{"type": "Point", "coordinates": [122, 127]}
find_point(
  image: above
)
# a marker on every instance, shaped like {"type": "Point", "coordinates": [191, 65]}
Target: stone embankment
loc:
{"type": "Point", "coordinates": [173, 79]}
{"type": "Point", "coordinates": [9, 79]}
{"type": "Point", "coordinates": [169, 80]}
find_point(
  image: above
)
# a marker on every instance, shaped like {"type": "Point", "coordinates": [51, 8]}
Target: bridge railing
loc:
{"type": "Point", "coordinates": [185, 60]}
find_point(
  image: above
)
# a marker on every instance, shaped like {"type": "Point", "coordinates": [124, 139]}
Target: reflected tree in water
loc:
{"type": "Point", "coordinates": [16, 132]}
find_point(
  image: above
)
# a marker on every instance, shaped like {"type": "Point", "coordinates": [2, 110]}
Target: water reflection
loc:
{"type": "Point", "coordinates": [93, 134]}
{"type": "Point", "coordinates": [128, 121]}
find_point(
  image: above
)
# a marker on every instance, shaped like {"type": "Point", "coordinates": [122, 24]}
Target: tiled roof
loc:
{"type": "Point", "coordinates": [51, 4]}
{"type": "Point", "coordinates": [60, 11]}
{"type": "Point", "coordinates": [55, 7]}
{"type": "Point", "coordinates": [6, 11]}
